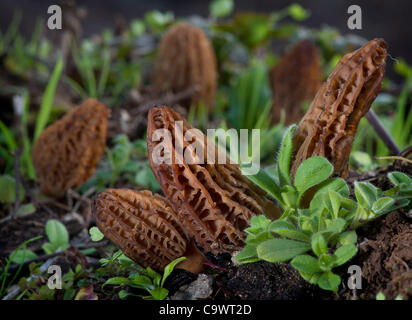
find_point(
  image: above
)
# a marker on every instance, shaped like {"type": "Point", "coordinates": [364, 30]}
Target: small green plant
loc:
{"type": "Point", "coordinates": [19, 256]}
{"type": "Point", "coordinates": [381, 296]}
{"type": "Point", "coordinates": [9, 142]}
{"type": "Point", "coordinates": [146, 279]}
{"type": "Point", "coordinates": [58, 237]}
{"type": "Point", "coordinates": [250, 105]}
{"type": "Point", "coordinates": [127, 160]}
{"type": "Point", "coordinates": [321, 237]}
{"type": "Point", "coordinates": [95, 234]}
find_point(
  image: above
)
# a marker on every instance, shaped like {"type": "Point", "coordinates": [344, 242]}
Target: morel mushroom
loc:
{"type": "Point", "coordinates": [145, 228]}
{"type": "Point", "coordinates": [186, 60]}
{"type": "Point", "coordinates": [329, 127]}
{"type": "Point", "coordinates": [295, 79]}
{"type": "Point", "coordinates": [215, 201]}
{"type": "Point", "coordinates": [67, 152]}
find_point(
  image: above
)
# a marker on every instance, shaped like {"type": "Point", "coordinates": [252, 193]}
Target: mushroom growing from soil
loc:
{"type": "Point", "coordinates": [67, 152]}
{"type": "Point", "coordinates": [146, 228]}
{"type": "Point", "coordinates": [295, 79]}
{"type": "Point", "coordinates": [329, 127]}
{"type": "Point", "coordinates": [185, 60]}
{"type": "Point", "coordinates": [214, 200]}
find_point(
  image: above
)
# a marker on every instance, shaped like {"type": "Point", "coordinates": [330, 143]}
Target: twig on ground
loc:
{"type": "Point", "coordinates": [382, 132]}
{"type": "Point", "coordinates": [168, 98]}
{"type": "Point", "coordinates": [394, 158]}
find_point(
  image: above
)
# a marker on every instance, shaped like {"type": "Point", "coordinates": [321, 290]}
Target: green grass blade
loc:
{"type": "Point", "coordinates": [8, 136]}
{"type": "Point", "coordinates": [47, 100]}
{"type": "Point", "coordinates": [105, 73]}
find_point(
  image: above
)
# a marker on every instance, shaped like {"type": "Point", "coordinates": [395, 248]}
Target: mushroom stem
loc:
{"type": "Point", "coordinates": [195, 259]}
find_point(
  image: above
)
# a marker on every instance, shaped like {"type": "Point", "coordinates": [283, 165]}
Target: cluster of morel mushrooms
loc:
{"type": "Point", "coordinates": [207, 206]}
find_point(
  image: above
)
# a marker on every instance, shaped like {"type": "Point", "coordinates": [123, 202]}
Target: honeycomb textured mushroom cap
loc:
{"type": "Point", "coordinates": [185, 60]}
{"type": "Point", "coordinates": [67, 152]}
{"type": "Point", "coordinates": [329, 127]}
{"type": "Point", "coordinates": [215, 201]}
{"type": "Point", "coordinates": [295, 79]}
{"type": "Point", "coordinates": [143, 225]}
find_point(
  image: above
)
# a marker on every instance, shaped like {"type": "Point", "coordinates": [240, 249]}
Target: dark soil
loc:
{"type": "Point", "coordinates": [264, 281]}
{"type": "Point", "coordinates": [14, 232]}
{"type": "Point", "coordinates": [386, 257]}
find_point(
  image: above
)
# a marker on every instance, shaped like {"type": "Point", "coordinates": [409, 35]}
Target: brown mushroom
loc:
{"type": "Point", "coordinates": [329, 127]}
{"type": "Point", "coordinates": [67, 152]}
{"type": "Point", "coordinates": [146, 228]}
{"type": "Point", "coordinates": [185, 60]}
{"type": "Point", "coordinates": [295, 79]}
{"type": "Point", "coordinates": [215, 201]}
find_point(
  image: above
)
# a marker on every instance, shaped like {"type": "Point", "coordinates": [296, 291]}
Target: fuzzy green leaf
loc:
{"type": "Point", "coordinates": [318, 244]}
{"type": "Point", "coordinates": [248, 254]}
{"type": "Point", "coordinates": [279, 250]}
{"type": "Point", "coordinates": [329, 281]}
{"type": "Point", "coordinates": [344, 253]}
{"type": "Point", "coordinates": [285, 155]}
{"type": "Point", "coordinates": [57, 233]}
{"type": "Point", "coordinates": [397, 178]}
{"type": "Point", "coordinates": [366, 194]}
{"type": "Point", "coordinates": [382, 204]}
{"type": "Point", "coordinates": [311, 172]}
{"type": "Point", "coordinates": [22, 255]}
{"type": "Point", "coordinates": [306, 264]}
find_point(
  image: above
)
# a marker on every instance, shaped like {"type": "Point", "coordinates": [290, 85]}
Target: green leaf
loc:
{"type": "Point", "coordinates": [337, 225]}
{"type": "Point", "coordinates": [123, 294]}
{"type": "Point", "coordinates": [325, 262]}
{"type": "Point", "coordinates": [318, 244]}
{"type": "Point", "coordinates": [154, 275]}
{"type": "Point", "coordinates": [297, 12]}
{"type": "Point", "coordinates": [95, 234]}
{"type": "Point", "coordinates": [137, 27]}
{"type": "Point", "coordinates": [332, 202]}
{"type": "Point", "coordinates": [397, 178]}
{"type": "Point", "coordinates": [158, 20]}
{"type": "Point", "coordinates": [311, 277]}
{"type": "Point", "coordinates": [26, 209]}
{"type": "Point", "coordinates": [382, 204]}
{"type": "Point", "coordinates": [335, 184]}
{"type": "Point", "coordinates": [8, 189]}
{"type": "Point", "coordinates": [221, 8]}
{"type": "Point", "coordinates": [348, 237]}
{"type": "Point", "coordinates": [266, 182]}
{"type": "Point", "coordinates": [49, 248]}
{"type": "Point", "coordinates": [259, 222]}
{"type": "Point", "coordinates": [22, 255]}
{"type": "Point", "coordinates": [57, 233]}
{"type": "Point", "coordinates": [366, 194]}
{"type": "Point", "coordinates": [159, 293]}
{"type": "Point", "coordinates": [279, 250]}
{"type": "Point", "coordinates": [343, 254]}
{"type": "Point", "coordinates": [47, 100]}
{"type": "Point", "coordinates": [287, 230]}
{"type": "Point", "coordinates": [169, 268]}
{"type": "Point", "coordinates": [306, 264]}
{"type": "Point", "coordinates": [285, 155]}
{"type": "Point", "coordinates": [248, 254]}
{"type": "Point", "coordinates": [116, 281]}
{"type": "Point", "coordinates": [141, 281]}
{"type": "Point", "coordinates": [329, 281]}
{"type": "Point", "coordinates": [380, 296]}
{"type": "Point", "coordinates": [311, 172]}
